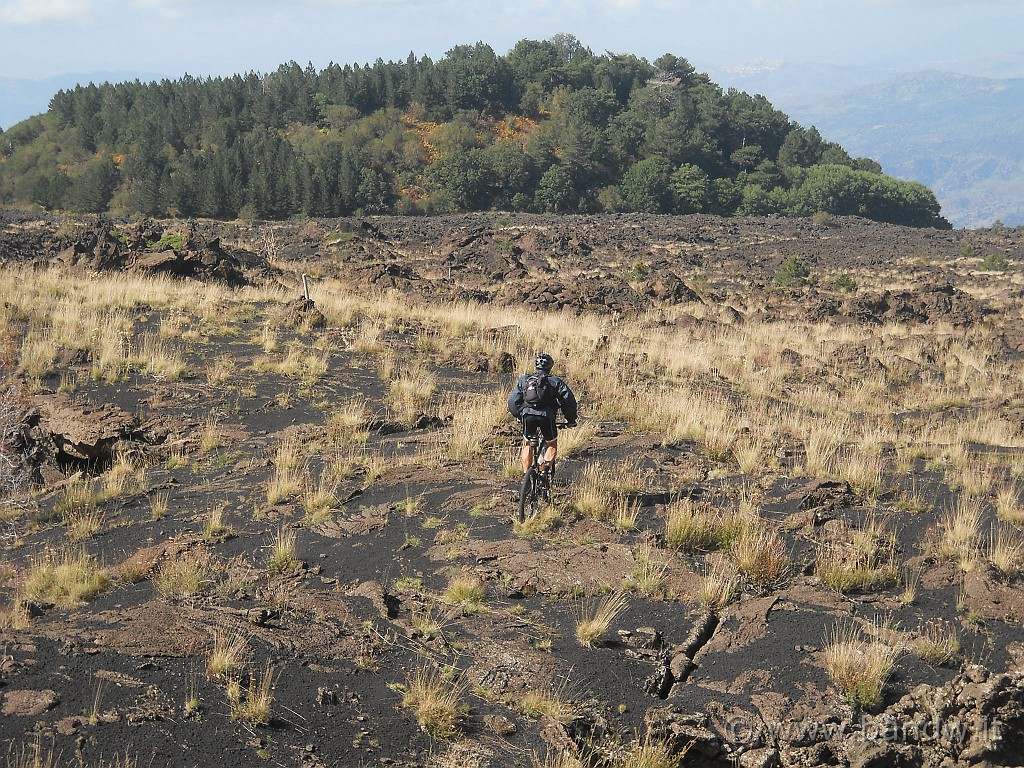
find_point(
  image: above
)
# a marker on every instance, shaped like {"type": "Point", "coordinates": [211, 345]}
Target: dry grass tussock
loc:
{"type": "Point", "coordinates": [299, 362]}
{"type": "Point", "coordinates": [974, 478]}
{"type": "Point", "coordinates": [572, 441]}
{"type": "Point", "coordinates": [648, 577]}
{"type": "Point", "coordinates": [253, 705]}
{"type": "Point", "coordinates": [466, 591]}
{"type": "Point", "coordinates": [183, 577]}
{"type": "Point", "coordinates": [595, 619]}
{"type": "Point", "coordinates": [862, 470]}
{"type": "Point", "coordinates": [761, 555]}
{"type": "Point", "coordinates": [66, 579]}
{"type": "Point", "coordinates": [649, 753]}
{"type": "Point", "coordinates": [1008, 504]}
{"type": "Point", "coordinates": [550, 518]}
{"type": "Point", "coordinates": [719, 586]}
{"type": "Point", "coordinates": [698, 526]}
{"type": "Point", "coordinates": [283, 554]}
{"type": "Point", "coordinates": [959, 532]}
{"type": "Point", "coordinates": [751, 453]}
{"type": "Point", "coordinates": [435, 699]}
{"type": "Point", "coordinates": [289, 472]}
{"type": "Point", "coordinates": [551, 703]}
{"type": "Point", "coordinates": [597, 489]}
{"type": "Point", "coordinates": [1006, 551]}
{"type": "Point", "coordinates": [320, 500]}
{"type": "Point", "coordinates": [627, 515]}
{"type": "Point", "coordinates": [857, 667]}
{"type": "Point", "coordinates": [410, 393]}
{"type": "Point", "coordinates": [699, 416]}
{"type": "Point", "coordinates": [474, 419]}
{"type": "Point", "coordinates": [347, 423]}
{"type": "Point", "coordinates": [937, 642]}
{"type": "Point", "coordinates": [822, 441]}
{"type": "Point", "coordinates": [859, 559]}
{"type": "Point", "coordinates": [159, 359]}
{"type": "Point", "coordinates": [226, 656]}
{"type": "Point", "coordinates": [430, 622]}
{"type": "Point", "coordinates": [79, 502]}
{"type": "Point", "coordinates": [556, 759]}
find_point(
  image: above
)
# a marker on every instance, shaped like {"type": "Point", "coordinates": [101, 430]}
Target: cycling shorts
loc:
{"type": "Point", "coordinates": [546, 426]}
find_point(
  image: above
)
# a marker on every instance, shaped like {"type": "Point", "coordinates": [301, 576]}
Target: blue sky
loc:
{"type": "Point", "coordinates": [45, 38]}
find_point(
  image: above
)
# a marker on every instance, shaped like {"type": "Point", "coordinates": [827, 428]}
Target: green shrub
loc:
{"type": "Point", "coordinates": [995, 262]}
{"type": "Point", "coordinates": [792, 273]}
{"type": "Point", "coordinates": [844, 283]}
{"type": "Point", "coordinates": [172, 240]}
{"type": "Point", "coordinates": [638, 270]}
{"type": "Point", "coordinates": [247, 214]}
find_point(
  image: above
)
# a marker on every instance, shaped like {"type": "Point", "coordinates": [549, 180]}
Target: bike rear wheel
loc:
{"type": "Point", "coordinates": [528, 496]}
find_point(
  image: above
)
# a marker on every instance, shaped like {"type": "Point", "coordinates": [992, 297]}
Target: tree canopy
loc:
{"type": "Point", "coordinates": [549, 127]}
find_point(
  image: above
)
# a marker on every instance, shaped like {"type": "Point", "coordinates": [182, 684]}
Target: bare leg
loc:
{"type": "Point", "coordinates": [526, 456]}
{"type": "Point", "coordinates": [551, 453]}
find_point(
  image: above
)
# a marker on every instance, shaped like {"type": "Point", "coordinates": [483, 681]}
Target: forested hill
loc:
{"type": "Point", "coordinates": [548, 127]}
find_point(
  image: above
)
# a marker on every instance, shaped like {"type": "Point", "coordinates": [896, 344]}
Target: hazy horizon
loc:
{"type": "Point", "coordinates": [48, 38]}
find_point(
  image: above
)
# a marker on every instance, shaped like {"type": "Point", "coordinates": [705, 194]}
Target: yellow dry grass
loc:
{"type": "Point", "coordinates": [67, 578]}
{"type": "Point", "coordinates": [594, 621]}
{"type": "Point", "coordinates": [858, 668]}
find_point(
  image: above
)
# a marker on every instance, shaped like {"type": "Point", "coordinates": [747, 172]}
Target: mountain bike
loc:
{"type": "Point", "coordinates": [535, 488]}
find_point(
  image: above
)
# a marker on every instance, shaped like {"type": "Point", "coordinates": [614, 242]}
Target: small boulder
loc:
{"type": "Point", "coordinates": [302, 312]}
{"type": "Point", "coordinates": [26, 703]}
{"type": "Point", "coordinates": [500, 725]}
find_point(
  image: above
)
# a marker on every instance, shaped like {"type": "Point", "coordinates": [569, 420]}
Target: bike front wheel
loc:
{"type": "Point", "coordinates": [528, 498]}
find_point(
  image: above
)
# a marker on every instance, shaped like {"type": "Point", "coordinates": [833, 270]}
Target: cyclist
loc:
{"type": "Point", "coordinates": [535, 401]}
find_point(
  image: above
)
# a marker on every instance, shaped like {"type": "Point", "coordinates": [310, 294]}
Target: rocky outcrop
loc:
{"type": "Point", "coordinates": [61, 434]}
{"type": "Point", "coordinates": [208, 261]}
{"type": "Point", "coordinates": [144, 248]}
{"type": "Point", "coordinates": [930, 303]}
{"type": "Point", "coordinates": [975, 719]}
{"type": "Point", "coordinates": [96, 249]}
{"type": "Point", "coordinates": [594, 295]}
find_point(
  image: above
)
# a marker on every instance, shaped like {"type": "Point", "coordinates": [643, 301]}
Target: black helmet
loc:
{"type": "Point", "coordinates": [545, 362]}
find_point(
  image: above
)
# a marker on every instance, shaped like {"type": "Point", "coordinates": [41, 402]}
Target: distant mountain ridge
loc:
{"type": "Point", "coordinates": [793, 86]}
{"type": "Point", "coordinates": [961, 135]}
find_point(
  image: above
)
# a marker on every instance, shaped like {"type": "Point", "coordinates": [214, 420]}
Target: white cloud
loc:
{"type": "Point", "coordinates": [36, 11]}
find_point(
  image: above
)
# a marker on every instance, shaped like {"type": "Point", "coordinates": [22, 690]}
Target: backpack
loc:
{"type": "Point", "coordinates": [537, 391]}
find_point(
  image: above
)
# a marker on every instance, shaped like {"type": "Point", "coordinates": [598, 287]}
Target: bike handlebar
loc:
{"type": "Point", "coordinates": [559, 424]}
